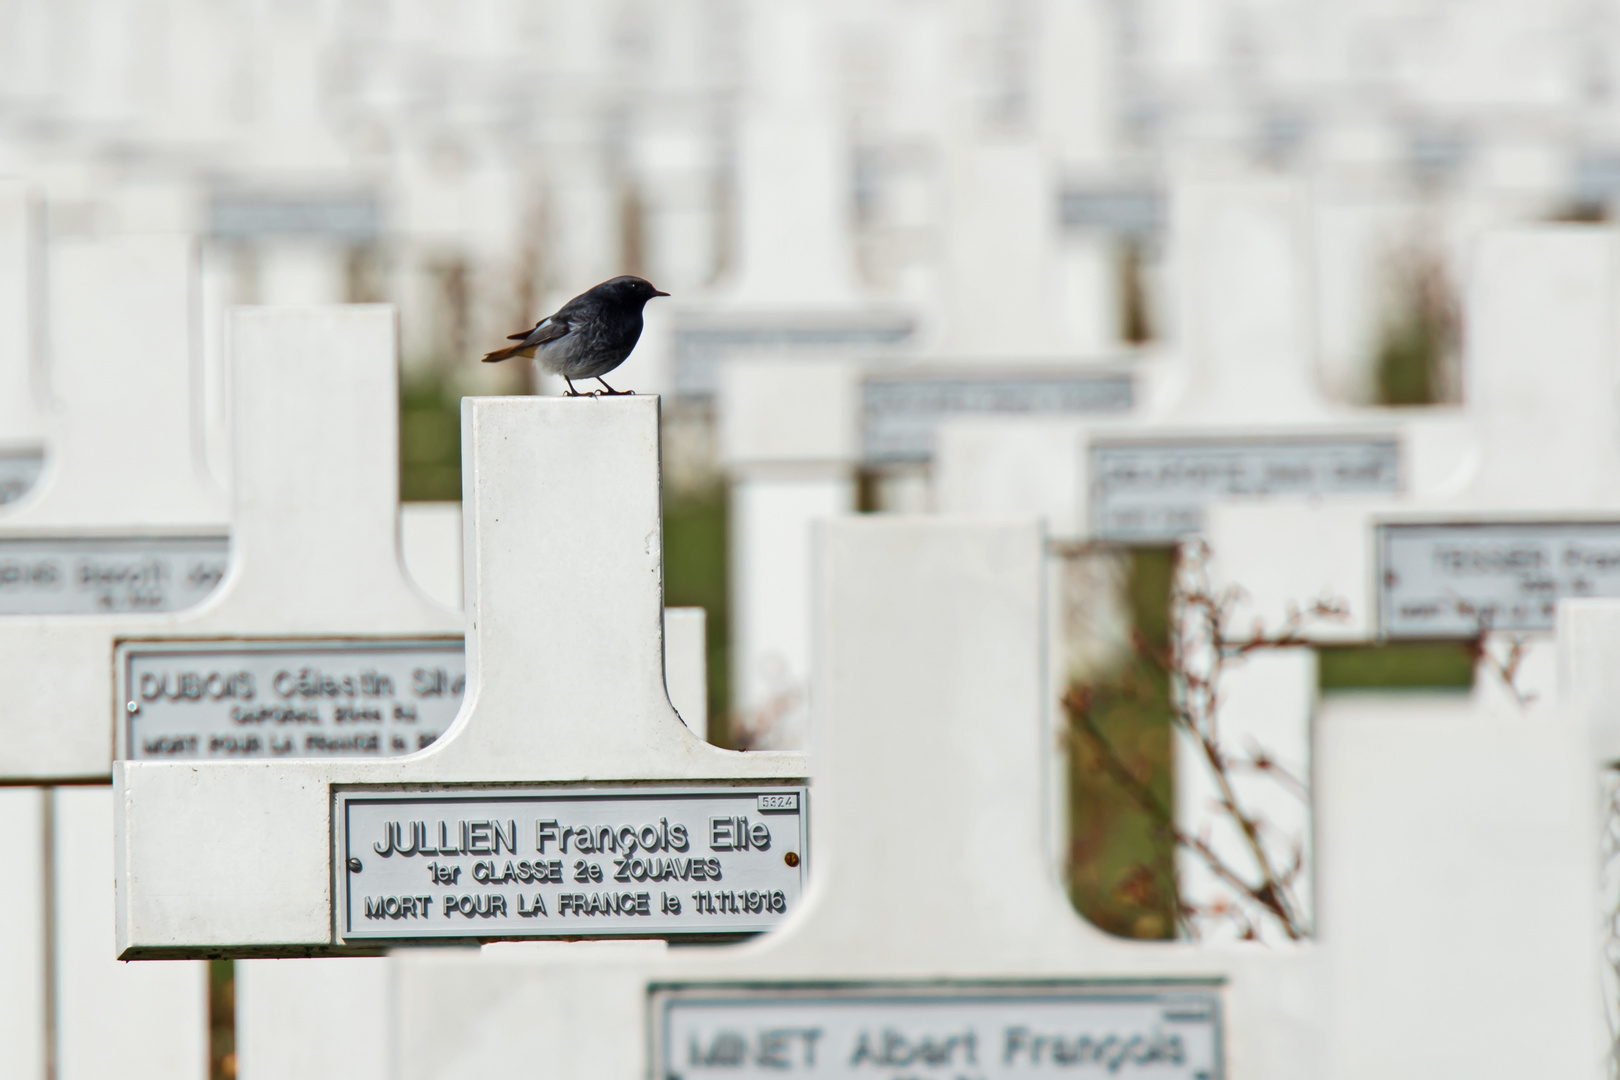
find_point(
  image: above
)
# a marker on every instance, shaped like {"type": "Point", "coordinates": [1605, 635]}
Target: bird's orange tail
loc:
{"type": "Point", "coordinates": [507, 353]}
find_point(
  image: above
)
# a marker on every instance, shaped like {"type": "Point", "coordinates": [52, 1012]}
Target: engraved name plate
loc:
{"type": "Point", "coordinates": [900, 415]}
{"type": "Point", "coordinates": [18, 473]}
{"type": "Point", "coordinates": [225, 700]}
{"type": "Point", "coordinates": [1156, 493]}
{"type": "Point", "coordinates": [1451, 581]}
{"type": "Point", "coordinates": [567, 862]}
{"type": "Point", "coordinates": [982, 1032]}
{"type": "Point", "coordinates": [108, 575]}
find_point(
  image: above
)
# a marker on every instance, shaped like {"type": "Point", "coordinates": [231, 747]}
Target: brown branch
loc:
{"type": "Point", "coordinates": [1195, 659]}
{"type": "Point", "coordinates": [1506, 669]}
{"type": "Point", "coordinates": [1077, 705]}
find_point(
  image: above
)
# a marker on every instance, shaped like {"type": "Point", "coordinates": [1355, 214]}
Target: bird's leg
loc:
{"type": "Point", "coordinates": [610, 390]}
{"type": "Point", "coordinates": [571, 391]}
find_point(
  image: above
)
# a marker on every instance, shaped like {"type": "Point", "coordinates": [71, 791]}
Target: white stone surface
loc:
{"type": "Point", "coordinates": [789, 412]}
{"type": "Point", "coordinates": [1457, 876]}
{"type": "Point", "coordinates": [565, 683]}
{"type": "Point", "coordinates": [772, 592]}
{"type": "Point", "coordinates": [23, 946]}
{"type": "Point", "coordinates": [146, 1021]}
{"type": "Point", "coordinates": [793, 163]}
{"type": "Point", "coordinates": [1245, 304]}
{"type": "Point", "coordinates": [686, 666]}
{"type": "Point", "coordinates": [22, 423]}
{"type": "Point", "coordinates": [430, 545]}
{"type": "Point", "coordinates": [317, 1019]}
{"type": "Point", "coordinates": [789, 443]}
{"type": "Point", "coordinates": [998, 297]}
{"type": "Point", "coordinates": [139, 393]}
{"type": "Point", "coordinates": [1015, 467]}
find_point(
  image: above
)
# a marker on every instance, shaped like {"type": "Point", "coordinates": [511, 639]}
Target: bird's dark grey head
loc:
{"type": "Point", "coordinates": [629, 289]}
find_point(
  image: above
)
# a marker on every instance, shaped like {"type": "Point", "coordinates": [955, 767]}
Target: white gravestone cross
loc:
{"type": "Point", "coordinates": [520, 820]}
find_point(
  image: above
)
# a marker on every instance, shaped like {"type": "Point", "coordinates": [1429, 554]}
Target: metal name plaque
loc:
{"type": "Point", "coordinates": [1157, 493]}
{"type": "Point", "coordinates": [110, 575]}
{"type": "Point", "coordinates": [567, 862]}
{"type": "Point", "coordinates": [229, 700]}
{"type": "Point", "coordinates": [1452, 581]}
{"type": "Point", "coordinates": [18, 473]}
{"type": "Point", "coordinates": [994, 1032]}
{"type": "Point", "coordinates": [901, 414]}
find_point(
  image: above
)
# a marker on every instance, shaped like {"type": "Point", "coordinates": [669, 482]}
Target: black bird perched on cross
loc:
{"type": "Point", "coordinates": [589, 336]}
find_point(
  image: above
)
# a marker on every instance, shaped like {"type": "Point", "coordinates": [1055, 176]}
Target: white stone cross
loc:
{"type": "Point", "coordinates": [566, 686]}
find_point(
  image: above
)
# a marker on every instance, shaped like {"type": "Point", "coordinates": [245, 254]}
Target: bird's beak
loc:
{"type": "Point", "coordinates": [657, 293]}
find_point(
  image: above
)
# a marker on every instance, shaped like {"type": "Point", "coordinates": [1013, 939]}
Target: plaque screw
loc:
{"type": "Point", "coordinates": [354, 865]}
{"type": "Point", "coordinates": [133, 707]}
{"type": "Point", "coordinates": [791, 858]}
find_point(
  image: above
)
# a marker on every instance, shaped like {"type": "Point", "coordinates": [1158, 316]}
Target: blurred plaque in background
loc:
{"type": "Point", "coordinates": [703, 343]}
{"type": "Point", "coordinates": [229, 700]}
{"type": "Point", "coordinates": [982, 1031]}
{"type": "Point", "coordinates": [18, 473]}
{"type": "Point", "coordinates": [568, 862]}
{"type": "Point", "coordinates": [1455, 580]}
{"type": "Point", "coordinates": [900, 412]}
{"type": "Point", "coordinates": [1155, 493]}
{"type": "Point", "coordinates": [347, 215]}
{"type": "Point", "coordinates": [1131, 210]}
{"type": "Point", "coordinates": [102, 575]}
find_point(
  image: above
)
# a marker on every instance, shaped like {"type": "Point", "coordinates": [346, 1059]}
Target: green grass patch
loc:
{"type": "Point", "coordinates": [1417, 665]}
{"type": "Point", "coordinates": [429, 441]}
{"type": "Point", "coordinates": [1121, 863]}
{"type": "Point", "coordinates": [695, 575]}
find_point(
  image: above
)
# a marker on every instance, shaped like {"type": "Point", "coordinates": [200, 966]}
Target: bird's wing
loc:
{"type": "Point", "coordinates": [545, 330]}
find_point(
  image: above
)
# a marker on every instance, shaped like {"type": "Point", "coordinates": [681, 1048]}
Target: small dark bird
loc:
{"type": "Point", "coordinates": [589, 336]}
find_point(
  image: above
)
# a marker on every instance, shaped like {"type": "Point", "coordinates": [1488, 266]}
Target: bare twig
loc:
{"type": "Point", "coordinates": [1508, 667]}
{"type": "Point", "coordinates": [1199, 652]}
